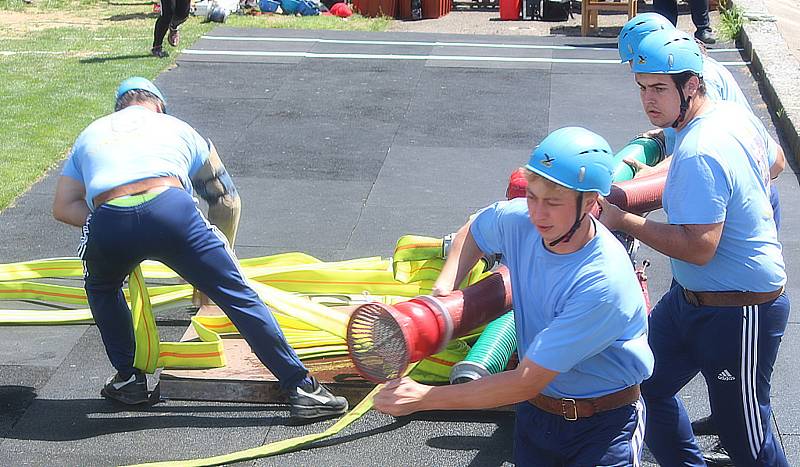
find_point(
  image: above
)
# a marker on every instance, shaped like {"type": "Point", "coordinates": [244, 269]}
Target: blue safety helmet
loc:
{"type": "Point", "coordinates": [139, 83]}
{"type": "Point", "coordinates": [668, 51]}
{"type": "Point", "coordinates": [576, 158]}
{"type": "Point", "coordinates": [636, 29]}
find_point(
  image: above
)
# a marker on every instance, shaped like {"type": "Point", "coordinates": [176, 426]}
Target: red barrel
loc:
{"type": "Point", "coordinates": [510, 10]}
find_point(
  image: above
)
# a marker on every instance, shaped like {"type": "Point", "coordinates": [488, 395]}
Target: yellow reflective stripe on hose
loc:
{"type": "Point", "coordinates": [278, 447]}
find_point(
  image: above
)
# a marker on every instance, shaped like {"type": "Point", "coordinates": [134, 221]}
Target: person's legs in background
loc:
{"type": "Point", "coordinates": [162, 26]}
{"type": "Point", "coordinates": [700, 19]}
{"type": "Point", "coordinates": [699, 8]}
{"type": "Point", "coordinates": [668, 9]}
{"type": "Point", "coordinates": [181, 13]}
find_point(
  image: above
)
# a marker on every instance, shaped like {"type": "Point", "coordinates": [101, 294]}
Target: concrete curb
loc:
{"type": "Point", "coordinates": [772, 60]}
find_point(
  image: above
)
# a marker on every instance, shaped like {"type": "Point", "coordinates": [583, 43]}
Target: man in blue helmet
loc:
{"type": "Point", "coordinates": [720, 85]}
{"type": "Point", "coordinates": [128, 182]}
{"type": "Point", "coordinates": [726, 312]}
{"type": "Point", "coordinates": [579, 311]}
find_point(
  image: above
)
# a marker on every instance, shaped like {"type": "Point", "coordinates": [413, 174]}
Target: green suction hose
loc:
{"type": "Point", "coordinates": [647, 150]}
{"type": "Point", "coordinates": [491, 352]}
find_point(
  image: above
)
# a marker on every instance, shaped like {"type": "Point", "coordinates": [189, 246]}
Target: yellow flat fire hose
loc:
{"type": "Point", "coordinates": [292, 284]}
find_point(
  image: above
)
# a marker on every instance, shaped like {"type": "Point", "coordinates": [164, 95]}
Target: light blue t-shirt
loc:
{"type": "Point", "coordinates": [133, 144]}
{"type": "Point", "coordinates": [580, 314]}
{"type": "Point", "coordinates": [720, 173]}
{"type": "Point", "coordinates": [720, 86]}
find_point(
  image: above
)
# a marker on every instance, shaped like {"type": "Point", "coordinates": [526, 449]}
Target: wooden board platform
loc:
{"type": "Point", "coordinates": [245, 379]}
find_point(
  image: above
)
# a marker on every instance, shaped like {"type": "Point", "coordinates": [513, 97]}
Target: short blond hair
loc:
{"type": "Point", "coordinates": [532, 176]}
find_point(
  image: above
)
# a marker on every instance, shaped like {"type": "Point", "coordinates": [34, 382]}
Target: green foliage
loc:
{"type": "Point", "coordinates": [731, 20]}
{"type": "Point", "coordinates": [54, 82]}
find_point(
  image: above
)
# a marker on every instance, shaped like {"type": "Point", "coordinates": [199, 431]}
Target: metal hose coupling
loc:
{"type": "Point", "coordinates": [383, 340]}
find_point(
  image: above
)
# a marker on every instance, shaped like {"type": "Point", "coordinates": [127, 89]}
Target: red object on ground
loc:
{"type": "Point", "coordinates": [432, 9]}
{"type": "Point", "coordinates": [376, 8]}
{"type": "Point", "coordinates": [157, 7]}
{"type": "Point", "coordinates": [384, 339]}
{"type": "Point", "coordinates": [510, 10]}
{"type": "Point", "coordinates": [341, 10]}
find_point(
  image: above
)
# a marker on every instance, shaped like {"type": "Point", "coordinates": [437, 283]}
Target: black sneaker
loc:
{"type": "Point", "coordinates": [704, 426]}
{"type": "Point", "coordinates": [159, 52]}
{"type": "Point", "coordinates": [131, 391]}
{"type": "Point", "coordinates": [705, 36]}
{"type": "Point", "coordinates": [313, 400]}
{"type": "Point", "coordinates": [717, 457]}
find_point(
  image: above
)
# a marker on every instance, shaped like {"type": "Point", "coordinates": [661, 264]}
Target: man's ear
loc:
{"type": "Point", "coordinates": [589, 198]}
{"type": "Point", "coordinates": [691, 86]}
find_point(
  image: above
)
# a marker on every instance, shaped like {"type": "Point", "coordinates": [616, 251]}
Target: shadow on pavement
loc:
{"type": "Point", "coordinates": [76, 419]}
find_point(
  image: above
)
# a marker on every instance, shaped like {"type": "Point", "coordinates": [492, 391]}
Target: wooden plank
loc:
{"type": "Point", "coordinates": [245, 379]}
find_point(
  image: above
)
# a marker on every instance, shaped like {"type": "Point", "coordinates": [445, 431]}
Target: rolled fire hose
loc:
{"type": "Point", "coordinates": [492, 351]}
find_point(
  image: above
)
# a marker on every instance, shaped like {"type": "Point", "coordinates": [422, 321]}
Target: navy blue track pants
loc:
{"type": "Point", "coordinates": [171, 229]}
{"type": "Point", "coordinates": [735, 349]}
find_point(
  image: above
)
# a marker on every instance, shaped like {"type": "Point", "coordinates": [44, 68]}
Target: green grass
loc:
{"type": "Point", "coordinates": [60, 79]}
{"type": "Point", "coordinates": [731, 20]}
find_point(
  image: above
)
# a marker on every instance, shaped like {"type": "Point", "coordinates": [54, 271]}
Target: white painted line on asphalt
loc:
{"type": "Point", "coordinates": [466, 58]}
{"type": "Point", "coordinates": [407, 43]}
{"type": "Point", "coordinates": [421, 43]}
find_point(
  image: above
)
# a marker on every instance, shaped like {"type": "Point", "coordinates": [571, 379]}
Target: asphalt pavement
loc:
{"type": "Point", "coordinates": [341, 142]}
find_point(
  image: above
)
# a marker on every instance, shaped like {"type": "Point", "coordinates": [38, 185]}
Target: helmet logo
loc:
{"type": "Point", "coordinates": [581, 174]}
{"type": "Point", "coordinates": [547, 161]}
{"type": "Point", "coordinates": [671, 61]}
{"type": "Point", "coordinates": [642, 59]}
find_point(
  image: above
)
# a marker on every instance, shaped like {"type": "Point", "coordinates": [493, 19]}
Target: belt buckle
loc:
{"type": "Point", "coordinates": [564, 406]}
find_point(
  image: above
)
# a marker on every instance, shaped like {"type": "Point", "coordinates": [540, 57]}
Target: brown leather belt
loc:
{"type": "Point", "coordinates": [137, 187]}
{"type": "Point", "coordinates": [730, 298]}
{"type": "Point", "coordinates": [573, 409]}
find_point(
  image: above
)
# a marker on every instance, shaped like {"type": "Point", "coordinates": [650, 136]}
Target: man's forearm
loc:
{"type": "Point", "coordinates": [463, 255]}
{"type": "Point", "coordinates": [508, 387]}
{"type": "Point", "coordinates": [672, 240]}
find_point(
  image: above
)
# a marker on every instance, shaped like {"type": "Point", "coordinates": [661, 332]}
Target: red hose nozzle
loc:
{"type": "Point", "coordinates": [384, 339]}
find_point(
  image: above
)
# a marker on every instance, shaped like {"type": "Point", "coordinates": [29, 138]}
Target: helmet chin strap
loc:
{"type": "Point", "coordinates": [684, 107]}
{"type": "Point", "coordinates": [578, 219]}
